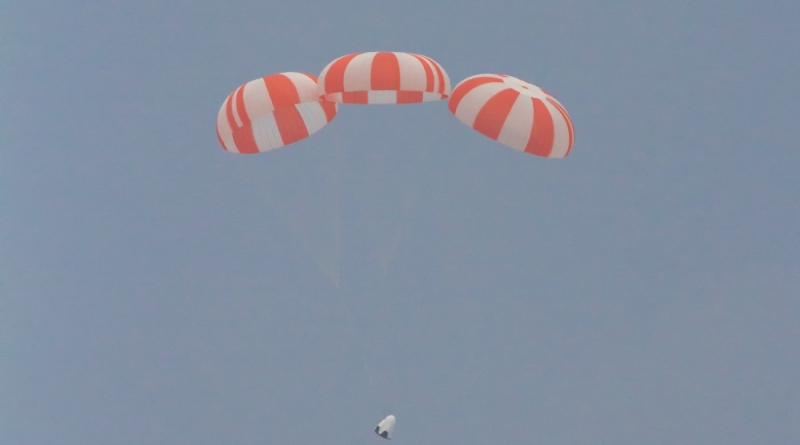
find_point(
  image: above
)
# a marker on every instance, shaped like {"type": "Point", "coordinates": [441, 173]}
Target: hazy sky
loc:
{"type": "Point", "coordinates": [159, 290]}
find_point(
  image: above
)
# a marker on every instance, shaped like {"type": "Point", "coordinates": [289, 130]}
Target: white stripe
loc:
{"type": "Point", "coordinates": [222, 119]}
{"type": "Point", "coordinates": [333, 97]}
{"type": "Point", "coordinates": [266, 133]}
{"type": "Point", "coordinates": [230, 144]}
{"type": "Point", "coordinates": [256, 99]}
{"type": "Point", "coordinates": [235, 109]}
{"type": "Point", "coordinates": [560, 132]}
{"type": "Point", "coordinates": [429, 97]}
{"type": "Point", "coordinates": [490, 76]}
{"type": "Point", "coordinates": [358, 72]}
{"type": "Point", "coordinates": [305, 86]}
{"type": "Point", "coordinates": [517, 128]}
{"type": "Point", "coordinates": [446, 80]}
{"type": "Point", "coordinates": [524, 87]}
{"type": "Point", "coordinates": [472, 102]}
{"type": "Point", "coordinates": [224, 128]}
{"type": "Point", "coordinates": [381, 97]}
{"type": "Point", "coordinates": [313, 116]}
{"type": "Point", "coordinates": [570, 126]}
{"type": "Point", "coordinates": [436, 78]}
{"type": "Point", "coordinates": [412, 73]}
{"type": "Point", "coordinates": [321, 78]}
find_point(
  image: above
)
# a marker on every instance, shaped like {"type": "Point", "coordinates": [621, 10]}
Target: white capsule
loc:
{"type": "Point", "coordinates": [385, 428]}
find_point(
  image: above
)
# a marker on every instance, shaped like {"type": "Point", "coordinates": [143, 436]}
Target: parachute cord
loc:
{"type": "Point", "coordinates": [338, 223]}
{"type": "Point", "coordinates": [385, 293]}
{"type": "Point", "coordinates": [331, 271]}
{"type": "Point", "coordinates": [341, 163]}
{"type": "Point", "coordinates": [364, 346]}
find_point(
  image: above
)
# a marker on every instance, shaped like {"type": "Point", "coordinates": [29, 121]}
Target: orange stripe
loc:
{"type": "Point", "coordinates": [570, 129]}
{"type": "Point", "coordinates": [355, 97]}
{"type": "Point", "coordinates": [428, 73]}
{"type": "Point", "coordinates": [439, 74]}
{"type": "Point", "coordinates": [282, 91]}
{"type": "Point", "coordinates": [314, 78]}
{"type": "Point", "coordinates": [334, 77]}
{"type": "Point", "coordinates": [219, 138]}
{"type": "Point", "coordinates": [385, 72]}
{"type": "Point", "coordinates": [290, 124]}
{"type": "Point", "coordinates": [241, 108]}
{"type": "Point", "coordinates": [329, 108]}
{"type": "Point", "coordinates": [244, 140]}
{"type": "Point", "coordinates": [541, 140]}
{"type": "Point", "coordinates": [493, 114]}
{"type": "Point", "coordinates": [465, 87]}
{"type": "Point", "coordinates": [409, 97]}
{"type": "Point", "coordinates": [229, 112]}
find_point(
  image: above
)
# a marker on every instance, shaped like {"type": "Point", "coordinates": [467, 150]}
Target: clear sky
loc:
{"type": "Point", "coordinates": [159, 290]}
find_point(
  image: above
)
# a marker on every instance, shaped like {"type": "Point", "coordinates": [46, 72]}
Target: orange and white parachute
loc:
{"type": "Point", "coordinates": [271, 112]}
{"type": "Point", "coordinates": [383, 78]}
{"type": "Point", "coordinates": [514, 113]}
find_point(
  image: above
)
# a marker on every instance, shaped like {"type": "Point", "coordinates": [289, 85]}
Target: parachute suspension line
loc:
{"type": "Point", "coordinates": [340, 161]}
{"type": "Point", "coordinates": [409, 198]}
{"type": "Point", "coordinates": [362, 343]}
{"type": "Point", "coordinates": [319, 233]}
{"type": "Point", "coordinates": [384, 294]}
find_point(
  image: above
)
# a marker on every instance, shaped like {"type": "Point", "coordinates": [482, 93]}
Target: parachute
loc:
{"type": "Point", "coordinates": [514, 113]}
{"type": "Point", "coordinates": [280, 109]}
{"type": "Point", "coordinates": [272, 112]}
{"type": "Point", "coordinates": [383, 78]}
{"type": "Point", "coordinates": [385, 428]}
{"type": "Point", "coordinates": [283, 108]}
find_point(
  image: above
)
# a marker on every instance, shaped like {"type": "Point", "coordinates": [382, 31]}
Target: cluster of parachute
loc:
{"type": "Point", "coordinates": [280, 109]}
{"type": "Point", "coordinates": [283, 108]}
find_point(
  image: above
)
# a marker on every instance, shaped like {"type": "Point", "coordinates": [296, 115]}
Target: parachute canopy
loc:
{"type": "Point", "coordinates": [383, 78]}
{"type": "Point", "coordinates": [514, 113]}
{"type": "Point", "coordinates": [385, 428]}
{"type": "Point", "coordinates": [271, 112]}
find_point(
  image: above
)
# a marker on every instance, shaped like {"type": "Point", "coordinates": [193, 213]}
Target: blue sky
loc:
{"type": "Point", "coordinates": [157, 289]}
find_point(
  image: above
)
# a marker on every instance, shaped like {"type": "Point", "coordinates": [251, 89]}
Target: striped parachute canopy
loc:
{"type": "Point", "coordinates": [383, 78]}
{"type": "Point", "coordinates": [514, 113]}
{"type": "Point", "coordinates": [271, 112]}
